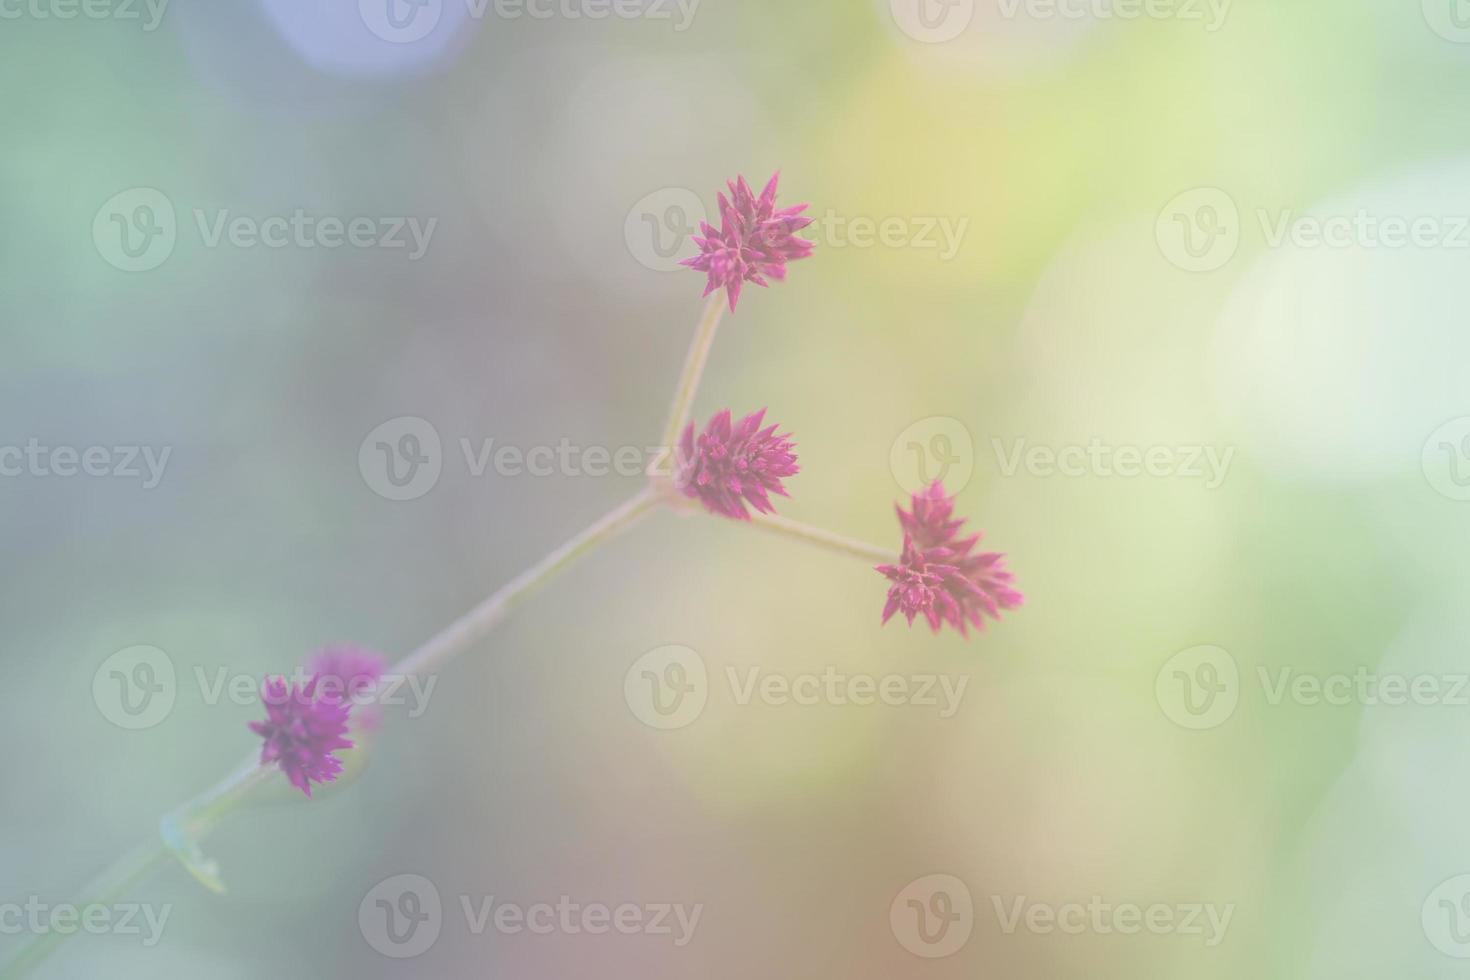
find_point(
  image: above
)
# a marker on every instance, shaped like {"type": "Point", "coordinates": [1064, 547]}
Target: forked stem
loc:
{"type": "Point", "coordinates": [192, 822]}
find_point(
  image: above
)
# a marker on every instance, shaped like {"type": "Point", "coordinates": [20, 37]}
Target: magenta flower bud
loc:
{"type": "Point", "coordinates": [302, 731]}
{"type": "Point", "coordinates": [754, 242]}
{"type": "Point", "coordinates": [731, 465]}
{"type": "Point", "coordinates": [940, 575]}
{"type": "Point", "coordinates": [351, 674]}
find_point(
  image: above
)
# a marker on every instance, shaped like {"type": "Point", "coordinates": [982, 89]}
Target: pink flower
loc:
{"type": "Point", "coordinates": [931, 522]}
{"type": "Point", "coordinates": [940, 574]}
{"type": "Point", "coordinates": [301, 732]}
{"type": "Point", "coordinates": [350, 674]}
{"type": "Point", "coordinates": [754, 240]}
{"type": "Point", "coordinates": [731, 465]}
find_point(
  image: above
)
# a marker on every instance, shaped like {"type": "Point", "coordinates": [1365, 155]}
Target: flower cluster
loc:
{"type": "Point", "coordinates": [754, 242]}
{"type": "Point", "coordinates": [307, 721]}
{"type": "Point", "coordinates": [940, 575]}
{"type": "Point", "coordinates": [732, 464]}
{"type": "Point", "coordinates": [731, 468]}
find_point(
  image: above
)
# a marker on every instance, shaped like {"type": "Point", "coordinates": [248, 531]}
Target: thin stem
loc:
{"type": "Point", "coordinates": [699, 348]}
{"type": "Point", "coordinates": [106, 888]}
{"type": "Point", "coordinates": [827, 539]}
{"type": "Point", "coordinates": [455, 638]}
{"type": "Point", "coordinates": [203, 813]}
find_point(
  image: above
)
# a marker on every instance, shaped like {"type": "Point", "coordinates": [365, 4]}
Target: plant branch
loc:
{"type": "Point", "coordinates": [182, 830]}
{"type": "Point", "coordinates": [699, 348]}
{"type": "Point", "coordinates": [824, 538]}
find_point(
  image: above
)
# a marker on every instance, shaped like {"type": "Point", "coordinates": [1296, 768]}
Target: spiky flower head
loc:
{"type": "Point", "coordinates": [351, 674]}
{"type": "Point", "coordinates": [940, 575]}
{"type": "Point", "coordinates": [931, 521]}
{"type": "Point", "coordinates": [733, 464]}
{"type": "Point", "coordinates": [754, 242]}
{"type": "Point", "coordinates": [302, 730]}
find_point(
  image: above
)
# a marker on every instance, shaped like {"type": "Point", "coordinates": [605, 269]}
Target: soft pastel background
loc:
{"type": "Point", "coordinates": [543, 147]}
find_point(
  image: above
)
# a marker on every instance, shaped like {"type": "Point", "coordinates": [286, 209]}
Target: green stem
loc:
{"type": "Point", "coordinates": [459, 635]}
{"type": "Point", "coordinates": [699, 348]}
{"type": "Point", "coordinates": [195, 819]}
{"type": "Point", "coordinates": [202, 814]}
{"type": "Point", "coordinates": [105, 889]}
{"type": "Point", "coordinates": [826, 539]}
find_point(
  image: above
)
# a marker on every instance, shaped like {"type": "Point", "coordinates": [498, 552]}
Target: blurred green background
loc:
{"type": "Point", "coordinates": [1118, 185]}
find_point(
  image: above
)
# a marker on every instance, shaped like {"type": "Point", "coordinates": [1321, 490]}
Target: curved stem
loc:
{"type": "Point", "coordinates": [826, 539]}
{"type": "Point", "coordinates": [699, 348]}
